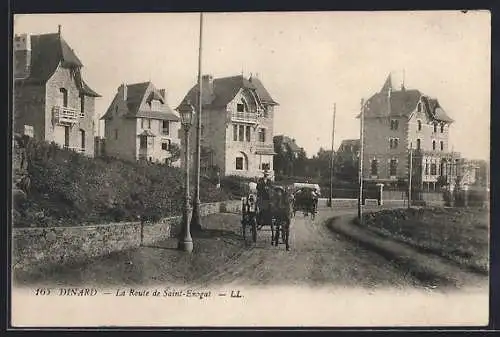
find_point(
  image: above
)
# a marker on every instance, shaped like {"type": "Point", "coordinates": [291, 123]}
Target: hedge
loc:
{"type": "Point", "coordinates": [68, 188]}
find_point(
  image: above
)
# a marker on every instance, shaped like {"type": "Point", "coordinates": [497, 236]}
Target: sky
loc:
{"type": "Point", "coordinates": [308, 61]}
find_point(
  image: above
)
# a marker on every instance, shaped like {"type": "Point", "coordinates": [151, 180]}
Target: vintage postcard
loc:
{"type": "Point", "coordinates": [292, 169]}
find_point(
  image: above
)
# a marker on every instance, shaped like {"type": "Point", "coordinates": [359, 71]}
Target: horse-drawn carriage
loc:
{"type": "Point", "coordinates": [306, 200]}
{"type": "Point", "coordinates": [274, 211]}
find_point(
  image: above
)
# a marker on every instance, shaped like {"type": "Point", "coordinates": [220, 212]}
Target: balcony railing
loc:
{"type": "Point", "coordinates": [247, 117]}
{"type": "Point", "coordinates": [265, 147]}
{"type": "Point", "coordinates": [65, 115]}
{"type": "Point", "coordinates": [75, 148]}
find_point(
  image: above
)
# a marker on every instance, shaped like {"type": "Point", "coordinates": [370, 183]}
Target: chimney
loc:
{"type": "Point", "coordinates": [59, 30]}
{"type": "Point", "coordinates": [207, 87]}
{"type": "Point", "coordinates": [22, 55]}
{"type": "Point", "coordinates": [123, 91]}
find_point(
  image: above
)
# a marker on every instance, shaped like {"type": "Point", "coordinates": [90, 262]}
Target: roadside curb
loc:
{"type": "Point", "coordinates": [431, 271]}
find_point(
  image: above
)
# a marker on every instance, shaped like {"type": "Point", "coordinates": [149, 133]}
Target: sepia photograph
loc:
{"type": "Point", "coordinates": [251, 169]}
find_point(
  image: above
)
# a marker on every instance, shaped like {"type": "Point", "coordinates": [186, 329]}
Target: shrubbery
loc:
{"type": "Point", "coordinates": [68, 188]}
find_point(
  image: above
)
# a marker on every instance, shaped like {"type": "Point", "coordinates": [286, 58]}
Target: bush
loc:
{"type": "Point", "coordinates": [69, 188]}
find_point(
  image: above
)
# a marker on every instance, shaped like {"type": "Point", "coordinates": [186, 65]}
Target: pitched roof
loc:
{"type": "Point", "coordinates": [264, 95]}
{"type": "Point", "coordinates": [226, 88]}
{"type": "Point", "coordinates": [139, 94]}
{"type": "Point", "coordinates": [47, 51]}
{"type": "Point", "coordinates": [350, 142]}
{"type": "Point", "coordinates": [403, 103]}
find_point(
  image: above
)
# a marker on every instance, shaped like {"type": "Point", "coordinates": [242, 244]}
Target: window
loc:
{"type": "Point", "coordinates": [419, 125]}
{"type": "Point", "coordinates": [393, 143]}
{"type": "Point", "coordinates": [143, 142]}
{"type": "Point", "coordinates": [239, 163]}
{"type": "Point", "coordinates": [202, 131]}
{"type": "Point", "coordinates": [265, 166]}
{"type": "Point", "coordinates": [241, 132]}
{"type": "Point", "coordinates": [155, 105]}
{"type": "Point", "coordinates": [394, 124]}
{"type": "Point", "coordinates": [442, 128]}
{"type": "Point", "coordinates": [433, 169]}
{"type": "Point", "coordinates": [64, 97]}
{"type": "Point", "coordinates": [374, 167]}
{"type": "Point", "coordinates": [116, 109]}
{"type": "Point", "coordinates": [165, 145]}
{"type": "Point", "coordinates": [247, 134]}
{"type": "Point", "coordinates": [262, 135]}
{"type": "Point", "coordinates": [235, 133]}
{"type": "Point", "coordinates": [419, 107]}
{"type": "Point", "coordinates": [82, 105]}
{"type": "Point", "coordinates": [393, 167]}
{"type": "Point", "coordinates": [116, 133]}
{"type": "Point", "coordinates": [149, 123]}
{"type": "Point", "coordinates": [418, 144]}
{"type": "Point", "coordinates": [433, 144]}
{"type": "Point", "coordinates": [82, 139]}
{"type": "Point", "coordinates": [142, 123]}
{"type": "Point", "coordinates": [165, 127]}
{"type": "Point", "coordinates": [441, 169]}
{"type": "Point", "coordinates": [240, 107]}
{"type": "Point", "coordinates": [442, 145]}
{"type": "Point", "coordinates": [435, 127]}
{"type": "Point", "coordinates": [426, 168]}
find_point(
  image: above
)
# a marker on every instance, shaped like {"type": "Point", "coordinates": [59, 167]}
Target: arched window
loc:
{"type": "Point", "coordinates": [442, 128]}
{"type": "Point", "coordinates": [419, 107]}
{"type": "Point", "coordinates": [442, 146]}
{"type": "Point", "coordinates": [435, 127]}
{"type": "Point", "coordinates": [64, 97]}
{"type": "Point", "coordinates": [419, 125]}
{"type": "Point", "coordinates": [433, 144]}
{"type": "Point", "coordinates": [241, 162]}
{"type": "Point", "coordinates": [418, 144]}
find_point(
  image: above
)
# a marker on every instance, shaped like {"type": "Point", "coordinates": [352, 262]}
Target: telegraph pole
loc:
{"type": "Point", "coordinates": [331, 157]}
{"type": "Point", "coordinates": [196, 218]}
{"type": "Point", "coordinates": [361, 141]}
{"type": "Point", "coordinates": [410, 174]}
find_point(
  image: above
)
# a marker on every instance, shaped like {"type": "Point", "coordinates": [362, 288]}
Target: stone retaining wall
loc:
{"type": "Point", "coordinates": [36, 247]}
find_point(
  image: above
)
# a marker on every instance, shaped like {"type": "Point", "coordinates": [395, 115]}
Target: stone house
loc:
{"type": "Point", "coordinates": [394, 122]}
{"type": "Point", "coordinates": [236, 125]}
{"type": "Point", "coordinates": [52, 102]}
{"type": "Point", "coordinates": [140, 125]}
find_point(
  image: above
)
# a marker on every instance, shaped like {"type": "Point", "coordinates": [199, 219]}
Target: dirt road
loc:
{"type": "Point", "coordinates": [318, 257]}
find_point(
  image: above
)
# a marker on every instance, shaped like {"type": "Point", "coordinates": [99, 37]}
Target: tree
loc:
{"type": "Point", "coordinates": [175, 152]}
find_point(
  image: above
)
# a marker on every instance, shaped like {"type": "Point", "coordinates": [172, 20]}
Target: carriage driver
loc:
{"type": "Point", "coordinates": [263, 190]}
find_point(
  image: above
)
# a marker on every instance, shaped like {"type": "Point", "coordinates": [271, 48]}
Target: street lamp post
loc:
{"type": "Point", "coordinates": [196, 219]}
{"type": "Point", "coordinates": [185, 241]}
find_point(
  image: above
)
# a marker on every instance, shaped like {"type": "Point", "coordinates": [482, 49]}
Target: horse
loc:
{"type": "Point", "coordinates": [249, 219]}
{"type": "Point", "coordinates": [281, 216]}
